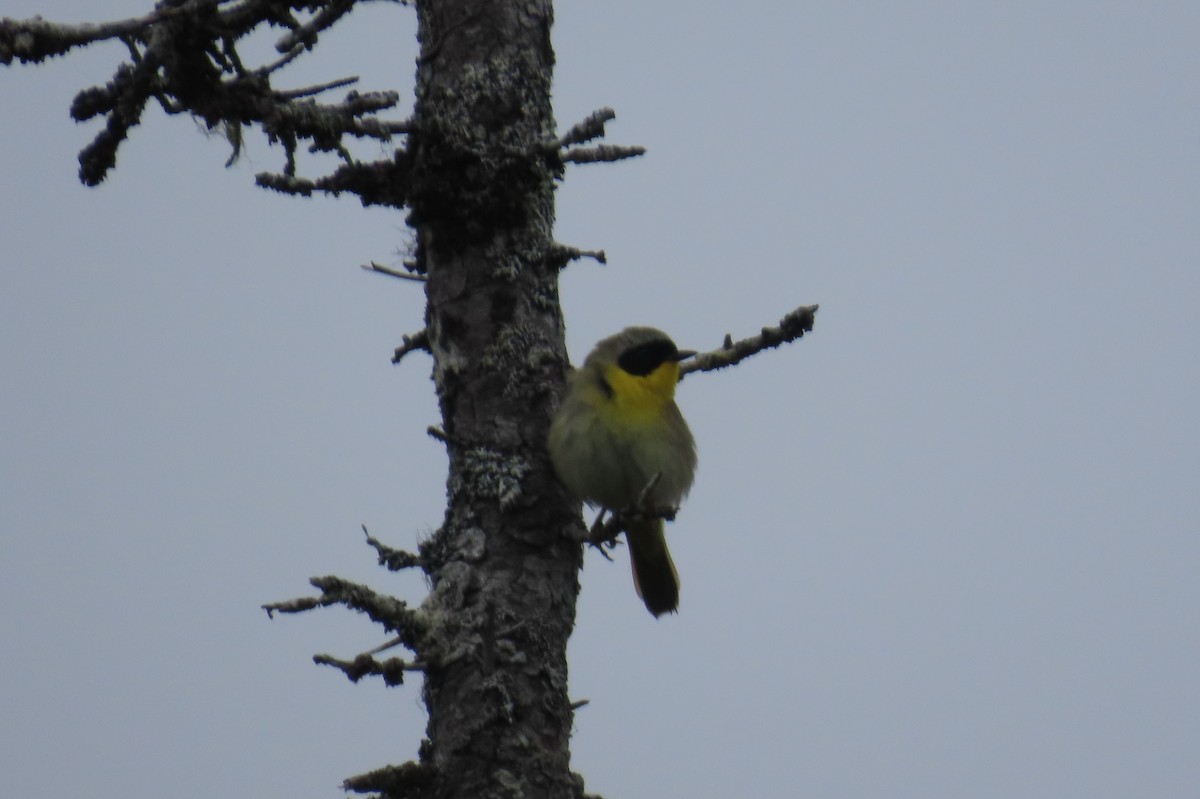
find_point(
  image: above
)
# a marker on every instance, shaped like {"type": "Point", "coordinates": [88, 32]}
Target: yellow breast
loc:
{"type": "Point", "coordinates": [641, 398]}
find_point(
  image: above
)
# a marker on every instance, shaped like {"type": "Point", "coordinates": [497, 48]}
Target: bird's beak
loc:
{"type": "Point", "coordinates": [683, 355]}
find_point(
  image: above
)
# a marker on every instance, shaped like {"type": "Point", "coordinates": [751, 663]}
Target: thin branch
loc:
{"type": "Point", "coordinates": [279, 63]}
{"type": "Point", "coordinates": [790, 328]}
{"type": "Point", "coordinates": [644, 494]}
{"type": "Point", "coordinates": [299, 605]}
{"type": "Point", "coordinates": [602, 152]}
{"type": "Point", "coordinates": [308, 91]}
{"type": "Point", "coordinates": [619, 521]}
{"type": "Point", "coordinates": [588, 129]}
{"type": "Point", "coordinates": [409, 779]}
{"type": "Point", "coordinates": [392, 614]}
{"type": "Point", "coordinates": [374, 266]}
{"type": "Point", "coordinates": [440, 435]}
{"type": "Point", "coordinates": [286, 184]}
{"type": "Point", "coordinates": [382, 129]}
{"type": "Point", "coordinates": [184, 55]}
{"type": "Point", "coordinates": [325, 122]}
{"type": "Point", "coordinates": [393, 559]}
{"type": "Point", "coordinates": [33, 40]}
{"type": "Point", "coordinates": [391, 670]}
{"type": "Point", "coordinates": [561, 254]}
{"type": "Point", "coordinates": [606, 533]}
{"type": "Point", "coordinates": [306, 34]}
{"type": "Point", "coordinates": [416, 341]}
{"type": "Point", "coordinates": [375, 182]}
{"type": "Point", "coordinates": [392, 644]}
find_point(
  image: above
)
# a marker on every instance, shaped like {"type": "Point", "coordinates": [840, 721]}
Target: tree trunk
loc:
{"type": "Point", "coordinates": [504, 564]}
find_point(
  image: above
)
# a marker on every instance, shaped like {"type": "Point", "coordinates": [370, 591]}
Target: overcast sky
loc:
{"type": "Point", "coordinates": [947, 546]}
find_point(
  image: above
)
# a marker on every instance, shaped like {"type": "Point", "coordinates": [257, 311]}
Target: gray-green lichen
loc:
{"type": "Point", "coordinates": [486, 473]}
{"type": "Point", "coordinates": [519, 352]}
{"type": "Point", "coordinates": [510, 89]}
{"type": "Point", "coordinates": [507, 267]}
{"type": "Point", "coordinates": [545, 297]}
{"type": "Point", "coordinates": [519, 347]}
{"type": "Point", "coordinates": [471, 544]}
{"type": "Point", "coordinates": [483, 164]}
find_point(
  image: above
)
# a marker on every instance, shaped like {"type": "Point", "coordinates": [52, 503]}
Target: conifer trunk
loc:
{"type": "Point", "coordinates": [503, 566]}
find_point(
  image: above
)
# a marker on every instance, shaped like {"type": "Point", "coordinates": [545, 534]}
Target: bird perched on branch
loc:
{"type": "Point", "coordinates": [619, 442]}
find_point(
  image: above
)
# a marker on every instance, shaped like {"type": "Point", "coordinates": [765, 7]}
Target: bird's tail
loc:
{"type": "Point", "coordinates": [654, 574]}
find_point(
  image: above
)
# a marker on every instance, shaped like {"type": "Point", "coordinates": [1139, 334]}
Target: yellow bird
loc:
{"type": "Point", "coordinates": [617, 429]}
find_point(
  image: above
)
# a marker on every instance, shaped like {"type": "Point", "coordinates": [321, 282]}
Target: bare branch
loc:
{"type": "Point", "coordinates": [416, 341]}
{"type": "Point", "coordinates": [33, 40]}
{"type": "Point", "coordinates": [438, 434]}
{"type": "Point", "coordinates": [602, 152]}
{"type": "Point", "coordinates": [391, 670]}
{"type": "Point", "coordinates": [375, 182]}
{"type": "Point", "coordinates": [410, 779]}
{"type": "Point", "coordinates": [393, 614]}
{"type": "Point", "coordinates": [385, 270]}
{"type": "Point", "coordinates": [606, 532]}
{"type": "Point", "coordinates": [618, 521]}
{"type": "Point", "coordinates": [306, 35]}
{"type": "Point", "coordinates": [308, 91]}
{"type": "Point", "coordinates": [325, 124]}
{"type": "Point", "coordinates": [790, 328]}
{"type": "Point", "coordinates": [392, 644]}
{"type": "Point", "coordinates": [393, 559]}
{"type": "Point", "coordinates": [286, 184]}
{"type": "Point", "coordinates": [184, 55]}
{"type": "Point", "coordinates": [294, 606]}
{"type": "Point", "coordinates": [561, 254]}
{"type": "Point", "coordinates": [588, 129]}
{"type": "Point", "coordinates": [279, 63]}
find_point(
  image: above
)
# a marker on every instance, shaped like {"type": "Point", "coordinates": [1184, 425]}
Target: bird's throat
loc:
{"type": "Point", "coordinates": [642, 396]}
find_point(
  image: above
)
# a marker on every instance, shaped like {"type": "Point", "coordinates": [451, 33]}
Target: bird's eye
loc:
{"type": "Point", "coordinates": [644, 358]}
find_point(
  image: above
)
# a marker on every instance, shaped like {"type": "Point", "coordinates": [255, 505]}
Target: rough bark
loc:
{"type": "Point", "coordinates": [504, 564]}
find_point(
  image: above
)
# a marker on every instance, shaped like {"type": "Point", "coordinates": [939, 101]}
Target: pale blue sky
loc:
{"type": "Point", "coordinates": [946, 547]}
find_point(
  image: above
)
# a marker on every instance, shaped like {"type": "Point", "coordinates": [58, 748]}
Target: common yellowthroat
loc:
{"type": "Point", "coordinates": [617, 428]}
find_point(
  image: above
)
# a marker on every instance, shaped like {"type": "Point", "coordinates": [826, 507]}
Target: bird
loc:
{"type": "Point", "coordinates": [618, 440]}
